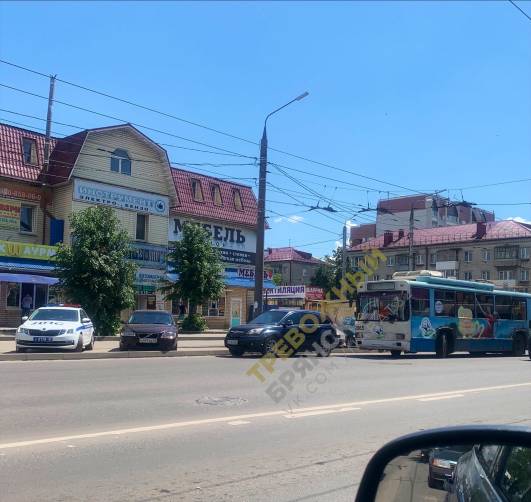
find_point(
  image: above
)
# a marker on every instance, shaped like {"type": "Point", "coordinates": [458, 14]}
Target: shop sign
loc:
{"type": "Point", "coordinates": [148, 255]}
{"type": "Point", "coordinates": [147, 277]}
{"type": "Point", "coordinates": [286, 292]}
{"type": "Point", "coordinates": [120, 198]}
{"type": "Point", "coordinates": [20, 193]}
{"type": "Point", "coordinates": [311, 293]}
{"type": "Point", "coordinates": [236, 245]}
{"type": "Point", "coordinates": [24, 250]}
{"type": "Point", "coordinates": [9, 214]}
{"type": "Point", "coordinates": [248, 273]}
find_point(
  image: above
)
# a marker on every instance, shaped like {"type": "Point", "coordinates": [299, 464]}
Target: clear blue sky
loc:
{"type": "Point", "coordinates": [427, 95]}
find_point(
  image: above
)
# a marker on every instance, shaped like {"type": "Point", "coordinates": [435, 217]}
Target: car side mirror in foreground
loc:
{"type": "Point", "coordinates": [24, 318]}
{"type": "Point", "coordinates": [451, 464]}
{"type": "Point", "coordinates": [85, 320]}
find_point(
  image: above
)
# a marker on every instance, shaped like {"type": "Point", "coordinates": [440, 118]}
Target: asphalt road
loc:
{"type": "Point", "coordinates": [201, 428]}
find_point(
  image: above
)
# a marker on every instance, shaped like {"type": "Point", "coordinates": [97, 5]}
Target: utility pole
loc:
{"type": "Point", "coordinates": [49, 124]}
{"type": "Point", "coordinates": [344, 254]}
{"type": "Point", "coordinates": [410, 237]}
{"type": "Point", "coordinates": [260, 227]}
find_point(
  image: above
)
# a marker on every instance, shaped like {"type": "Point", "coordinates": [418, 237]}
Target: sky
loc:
{"type": "Point", "coordinates": [403, 96]}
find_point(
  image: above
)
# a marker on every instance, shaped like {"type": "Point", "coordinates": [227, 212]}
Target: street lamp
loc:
{"type": "Point", "coordinates": [259, 275]}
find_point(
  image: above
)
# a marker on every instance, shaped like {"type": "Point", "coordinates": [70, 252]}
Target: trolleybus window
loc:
{"type": "Point", "coordinates": [484, 306]}
{"type": "Point", "coordinates": [420, 301]}
{"type": "Point", "coordinates": [503, 306]}
{"type": "Point", "coordinates": [444, 303]}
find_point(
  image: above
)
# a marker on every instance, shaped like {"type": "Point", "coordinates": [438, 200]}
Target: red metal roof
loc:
{"type": "Point", "coordinates": [207, 209]}
{"type": "Point", "coordinates": [290, 254]}
{"type": "Point", "coordinates": [446, 235]}
{"type": "Point", "coordinates": [12, 163]}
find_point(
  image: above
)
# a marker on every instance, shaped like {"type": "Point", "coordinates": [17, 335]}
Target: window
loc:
{"type": "Point", "coordinates": [485, 275]}
{"type": "Point", "coordinates": [216, 195]}
{"type": "Point", "coordinates": [197, 190]}
{"type": "Point", "coordinates": [26, 218]}
{"type": "Point", "coordinates": [515, 482]}
{"type": "Point", "coordinates": [238, 205]}
{"type": "Point", "coordinates": [450, 274]}
{"type": "Point", "coordinates": [506, 275]}
{"type": "Point", "coordinates": [465, 304]}
{"type": "Point", "coordinates": [141, 227]}
{"type": "Point", "coordinates": [120, 162]}
{"type": "Point", "coordinates": [375, 277]}
{"type": "Point", "coordinates": [524, 253]}
{"type": "Point", "coordinates": [390, 261]}
{"type": "Point", "coordinates": [505, 253]}
{"type": "Point", "coordinates": [486, 255]}
{"type": "Point", "coordinates": [419, 259]}
{"type": "Point", "coordinates": [468, 256]}
{"type": "Point", "coordinates": [83, 314]}
{"type": "Point", "coordinates": [503, 306]}
{"type": "Point", "coordinates": [445, 303]}
{"type": "Point", "coordinates": [402, 259]}
{"type": "Point", "coordinates": [467, 276]}
{"type": "Point", "coordinates": [433, 258]}
{"type": "Point", "coordinates": [388, 277]}
{"type": "Point", "coordinates": [518, 310]}
{"type": "Point", "coordinates": [13, 295]}
{"type": "Point", "coordinates": [524, 275]}
{"type": "Point", "coordinates": [487, 455]}
{"type": "Point", "coordinates": [214, 308]}
{"type": "Point", "coordinates": [420, 301]}
{"type": "Point", "coordinates": [29, 150]}
{"type": "Point", "coordinates": [484, 305]}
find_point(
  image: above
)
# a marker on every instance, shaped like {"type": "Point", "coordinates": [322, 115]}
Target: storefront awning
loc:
{"type": "Point", "coordinates": [245, 283]}
{"type": "Point", "coordinates": [19, 265]}
{"type": "Point", "coordinates": [28, 279]}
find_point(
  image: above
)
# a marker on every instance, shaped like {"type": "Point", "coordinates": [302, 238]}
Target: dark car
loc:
{"type": "Point", "coordinates": [282, 331]}
{"type": "Point", "coordinates": [442, 462]}
{"type": "Point", "coordinates": [149, 328]}
{"type": "Point", "coordinates": [494, 473]}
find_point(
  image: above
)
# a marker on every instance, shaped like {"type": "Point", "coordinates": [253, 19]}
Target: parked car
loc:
{"type": "Point", "coordinates": [441, 464]}
{"type": "Point", "coordinates": [55, 327]}
{"type": "Point", "coordinates": [263, 332]}
{"type": "Point", "coordinates": [493, 472]}
{"type": "Point", "coordinates": [149, 328]}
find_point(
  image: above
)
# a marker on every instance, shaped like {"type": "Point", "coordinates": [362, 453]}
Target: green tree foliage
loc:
{"type": "Point", "coordinates": [277, 279]}
{"type": "Point", "coordinates": [94, 271]}
{"type": "Point", "coordinates": [328, 276]}
{"type": "Point", "coordinates": [198, 267]}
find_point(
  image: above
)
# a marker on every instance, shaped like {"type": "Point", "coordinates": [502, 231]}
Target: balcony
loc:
{"type": "Point", "coordinates": [446, 265]}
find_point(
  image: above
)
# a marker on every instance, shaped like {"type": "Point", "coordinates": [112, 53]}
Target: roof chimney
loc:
{"type": "Point", "coordinates": [388, 238]}
{"type": "Point", "coordinates": [481, 230]}
{"type": "Point", "coordinates": [400, 233]}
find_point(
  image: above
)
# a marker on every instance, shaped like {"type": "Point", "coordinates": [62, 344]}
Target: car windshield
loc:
{"type": "Point", "coordinates": [150, 318]}
{"type": "Point", "coordinates": [383, 306]}
{"type": "Point", "coordinates": [270, 317]}
{"type": "Point", "coordinates": [55, 315]}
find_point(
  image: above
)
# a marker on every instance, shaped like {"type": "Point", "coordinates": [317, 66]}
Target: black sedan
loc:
{"type": "Point", "coordinates": [283, 333]}
{"type": "Point", "coordinates": [149, 328]}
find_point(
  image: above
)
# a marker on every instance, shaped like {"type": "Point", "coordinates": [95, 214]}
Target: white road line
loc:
{"type": "Point", "coordinates": [208, 421]}
{"type": "Point", "coordinates": [319, 412]}
{"type": "Point", "coordinates": [451, 396]}
{"type": "Point", "coordinates": [239, 422]}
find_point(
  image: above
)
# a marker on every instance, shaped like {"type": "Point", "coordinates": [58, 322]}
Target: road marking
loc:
{"type": "Point", "coordinates": [208, 421]}
{"type": "Point", "coordinates": [451, 396]}
{"type": "Point", "coordinates": [239, 422]}
{"type": "Point", "coordinates": [319, 412]}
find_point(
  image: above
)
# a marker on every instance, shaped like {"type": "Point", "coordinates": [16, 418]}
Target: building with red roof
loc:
{"type": "Point", "coordinates": [296, 267]}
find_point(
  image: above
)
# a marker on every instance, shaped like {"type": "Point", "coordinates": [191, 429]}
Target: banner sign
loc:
{"type": "Point", "coordinates": [30, 251]}
{"type": "Point", "coordinates": [148, 255]}
{"type": "Point", "coordinates": [121, 198]}
{"type": "Point", "coordinates": [248, 273]}
{"type": "Point", "coordinates": [237, 245]}
{"type": "Point", "coordinates": [311, 293]}
{"type": "Point", "coordinates": [147, 277]}
{"type": "Point", "coordinates": [9, 214]}
{"type": "Point", "coordinates": [20, 193]}
{"type": "Point", "coordinates": [305, 292]}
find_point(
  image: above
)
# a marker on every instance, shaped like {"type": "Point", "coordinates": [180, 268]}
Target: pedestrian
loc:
{"type": "Point", "coordinates": [27, 303]}
{"type": "Point", "coordinates": [182, 310]}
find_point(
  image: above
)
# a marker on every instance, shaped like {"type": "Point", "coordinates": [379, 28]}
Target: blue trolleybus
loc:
{"type": "Point", "coordinates": [425, 312]}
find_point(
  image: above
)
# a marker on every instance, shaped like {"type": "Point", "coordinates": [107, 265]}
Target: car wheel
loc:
{"type": "Point", "coordinates": [20, 349]}
{"type": "Point", "coordinates": [518, 346]}
{"type": "Point", "coordinates": [79, 346]}
{"type": "Point", "coordinates": [351, 341]}
{"type": "Point", "coordinates": [432, 483]}
{"type": "Point", "coordinates": [90, 346]}
{"type": "Point", "coordinates": [122, 346]}
{"type": "Point", "coordinates": [396, 354]}
{"type": "Point", "coordinates": [235, 352]}
{"type": "Point", "coordinates": [441, 346]}
{"type": "Point", "coordinates": [269, 345]}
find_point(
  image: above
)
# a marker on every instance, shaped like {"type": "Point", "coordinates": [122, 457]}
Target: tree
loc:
{"type": "Point", "coordinates": [328, 276]}
{"type": "Point", "coordinates": [323, 278]}
{"type": "Point", "coordinates": [199, 271]}
{"type": "Point", "coordinates": [277, 279]}
{"type": "Point", "coordinates": [94, 271]}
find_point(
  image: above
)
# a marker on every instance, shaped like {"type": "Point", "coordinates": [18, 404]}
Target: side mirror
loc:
{"type": "Point", "coordinates": [288, 322]}
{"type": "Point", "coordinates": [24, 318]}
{"type": "Point", "coordinates": [425, 465]}
{"type": "Point", "coordinates": [85, 320]}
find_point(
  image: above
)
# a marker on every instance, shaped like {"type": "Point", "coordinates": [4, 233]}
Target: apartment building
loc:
{"type": "Point", "coordinates": [498, 252]}
{"type": "Point", "coordinates": [296, 267]}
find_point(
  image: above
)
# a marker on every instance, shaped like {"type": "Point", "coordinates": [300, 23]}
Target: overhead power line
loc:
{"type": "Point", "coordinates": [521, 10]}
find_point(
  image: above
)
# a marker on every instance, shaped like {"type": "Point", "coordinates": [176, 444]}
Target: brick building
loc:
{"type": "Point", "coordinates": [296, 267]}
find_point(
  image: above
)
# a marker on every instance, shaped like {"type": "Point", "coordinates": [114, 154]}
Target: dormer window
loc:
{"type": "Point", "coordinates": [29, 151]}
{"type": "Point", "coordinates": [216, 195]}
{"type": "Point", "coordinates": [197, 191]}
{"type": "Point", "coordinates": [121, 162]}
{"type": "Point", "coordinates": [238, 205]}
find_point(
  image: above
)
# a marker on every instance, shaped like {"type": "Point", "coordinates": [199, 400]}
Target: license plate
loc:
{"type": "Point", "coordinates": [232, 342]}
{"type": "Point", "coordinates": [147, 340]}
{"type": "Point", "coordinates": [42, 339]}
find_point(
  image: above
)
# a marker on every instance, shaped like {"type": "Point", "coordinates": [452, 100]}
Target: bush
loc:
{"type": "Point", "coordinates": [194, 322]}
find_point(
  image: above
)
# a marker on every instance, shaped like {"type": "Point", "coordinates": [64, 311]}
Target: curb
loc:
{"type": "Point", "coordinates": [130, 354]}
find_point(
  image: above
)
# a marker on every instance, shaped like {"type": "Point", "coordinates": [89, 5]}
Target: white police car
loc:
{"type": "Point", "coordinates": [56, 327]}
